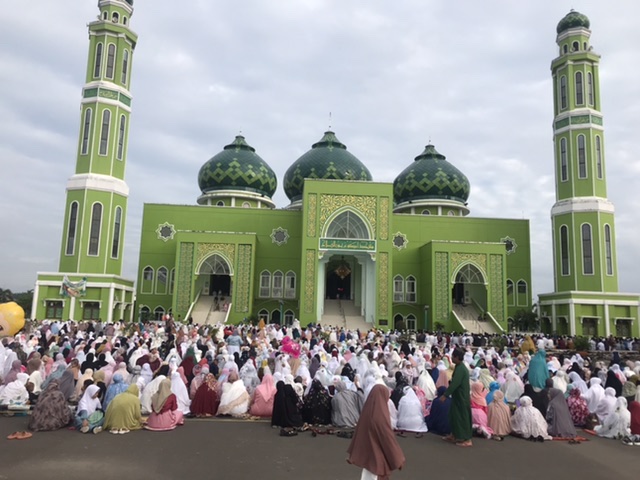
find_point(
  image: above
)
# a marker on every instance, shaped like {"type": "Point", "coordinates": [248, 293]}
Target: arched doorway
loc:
{"type": "Point", "coordinates": [338, 279]}
{"type": "Point", "coordinates": [469, 287]}
{"type": "Point", "coordinates": [215, 276]}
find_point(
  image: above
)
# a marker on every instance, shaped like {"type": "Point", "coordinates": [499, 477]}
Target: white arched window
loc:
{"type": "Point", "coordinates": [579, 89]}
{"type": "Point", "coordinates": [115, 246]}
{"type": "Point", "coordinates": [510, 293]}
{"type": "Point", "coordinates": [598, 156]}
{"type": "Point", "coordinates": [564, 250]}
{"type": "Point", "coordinates": [121, 133]}
{"type": "Point", "coordinates": [158, 313]}
{"type": "Point", "coordinates": [522, 293]}
{"type": "Point", "coordinates": [582, 157]}
{"type": "Point", "coordinates": [348, 225]}
{"type": "Point", "coordinates": [125, 66]}
{"type": "Point", "coordinates": [111, 60]}
{"type": "Point", "coordinates": [97, 67]}
{"type": "Point", "coordinates": [564, 170]}
{"type": "Point", "coordinates": [71, 229]}
{"type": "Point", "coordinates": [587, 250]}
{"type": "Point", "coordinates": [410, 289]}
{"type": "Point", "coordinates": [86, 128]}
{"type": "Point", "coordinates": [398, 289]}
{"type": "Point", "coordinates": [147, 280]}
{"type": "Point", "coordinates": [263, 315]}
{"type": "Point", "coordinates": [590, 87]}
{"type": "Point", "coordinates": [265, 284]}
{"type": "Point", "coordinates": [608, 249]}
{"type": "Point", "coordinates": [172, 280]}
{"type": "Point", "coordinates": [411, 322]}
{"type": "Point", "coordinates": [104, 132]}
{"type": "Point", "coordinates": [290, 285]}
{"type": "Point", "coordinates": [161, 281]}
{"type": "Point", "coordinates": [94, 234]}
{"type": "Point", "coordinates": [563, 92]}
{"type": "Point", "coordinates": [277, 289]}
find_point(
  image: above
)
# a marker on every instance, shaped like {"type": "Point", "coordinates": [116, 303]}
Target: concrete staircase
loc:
{"type": "Point", "coordinates": [205, 312]}
{"type": "Point", "coordinates": [467, 315]}
{"type": "Point", "coordinates": [343, 313]}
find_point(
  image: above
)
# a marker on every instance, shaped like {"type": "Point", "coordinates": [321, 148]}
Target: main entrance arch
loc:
{"type": "Point", "coordinates": [214, 276]}
{"type": "Point", "coordinates": [470, 287]}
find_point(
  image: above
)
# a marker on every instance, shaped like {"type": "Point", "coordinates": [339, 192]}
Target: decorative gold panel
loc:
{"type": "Point", "coordinates": [443, 286]}
{"type": "Point", "coordinates": [310, 281]}
{"type": "Point", "coordinates": [226, 249]}
{"type": "Point", "coordinates": [479, 259]}
{"type": "Point", "coordinates": [384, 218]}
{"type": "Point", "coordinates": [312, 216]}
{"type": "Point", "coordinates": [364, 204]}
{"type": "Point", "coordinates": [497, 287]}
{"type": "Point", "coordinates": [184, 278]}
{"type": "Point", "coordinates": [383, 285]}
{"type": "Point", "coordinates": [242, 280]}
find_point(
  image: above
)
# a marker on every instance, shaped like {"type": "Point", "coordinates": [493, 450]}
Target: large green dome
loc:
{"type": "Point", "coordinates": [237, 167]}
{"type": "Point", "coordinates": [430, 176]}
{"type": "Point", "coordinates": [327, 159]}
{"type": "Point", "coordinates": [572, 19]}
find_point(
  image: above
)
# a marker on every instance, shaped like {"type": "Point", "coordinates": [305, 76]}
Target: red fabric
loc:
{"type": "Point", "coordinates": [205, 401]}
{"type": "Point", "coordinates": [634, 409]}
{"type": "Point", "coordinates": [170, 404]}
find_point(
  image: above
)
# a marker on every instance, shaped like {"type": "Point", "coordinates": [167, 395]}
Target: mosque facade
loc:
{"type": "Point", "coordinates": [346, 250]}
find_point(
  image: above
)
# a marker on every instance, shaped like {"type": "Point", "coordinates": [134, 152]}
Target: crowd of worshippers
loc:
{"type": "Point", "coordinates": [118, 379]}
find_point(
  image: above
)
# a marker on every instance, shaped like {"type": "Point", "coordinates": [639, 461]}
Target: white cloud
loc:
{"type": "Point", "coordinates": [472, 77]}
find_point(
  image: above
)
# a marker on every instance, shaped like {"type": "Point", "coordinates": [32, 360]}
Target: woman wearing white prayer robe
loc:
{"type": "Point", "coordinates": [594, 394]}
{"type": "Point", "coordinates": [179, 389]}
{"type": "Point", "coordinates": [618, 423]}
{"type": "Point", "coordinates": [149, 390]}
{"type": "Point", "coordinates": [410, 416]}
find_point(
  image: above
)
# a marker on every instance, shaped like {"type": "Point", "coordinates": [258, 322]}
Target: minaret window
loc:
{"type": "Point", "coordinates": [172, 275]}
{"type": "Point", "coordinates": [582, 157]}
{"type": "Point", "coordinates": [579, 89]}
{"type": "Point", "coordinates": [608, 250]}
{"type": "Point", "coordinates": [598, 156]}
{"type": "Point", "coordinates": [98, 65]}
{"type": "Point", "coordinates": [576, 46]}
{"type": "Point", "coordinates": [111, 60]}
{"type": "Point", "coordinates": [104, 133]}
{"type": "Point", "coordinates": [124, 20]}
{"type": "Point", "coordinates": [105, 15]}
{"type": "Point", "coordinates": [590, 87]}
{"type": "Point", "coordinates": [123, 124]}
{"type": "Point", "coordinates": [587, 253]}
{"type": "Point", "coordinates": [94, 236]}
{"type": "Point", "coordinates": [85, 132]}
{"type": "Point", "coordinates": [563, 92]}
{"type": "Point", "coordinates": [564, 250]}
{"type": "Point", "coordinates": [115, 246]}
{"type": "Point", "coordinates": [564, 171]}
{"type": "Point", "coordinates": [125, 66]}
{"type": "Point", "coordinates": [115, 18]}
{"type": "Point", "coordinates": [565, 49]}
{"type": "Point", "coordinates": [71, 231]}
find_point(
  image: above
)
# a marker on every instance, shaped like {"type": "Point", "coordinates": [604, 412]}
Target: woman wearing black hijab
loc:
{"type": "Point", "coordinates": [89, 362]}
{"type": "Point", "coordinates": [285, 407]}
{"type": "Point", "coordinates": [614, 382]}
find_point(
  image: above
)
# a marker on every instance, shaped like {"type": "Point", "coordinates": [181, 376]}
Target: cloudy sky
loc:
{"type": "Point", "coordinates": [471, 76]}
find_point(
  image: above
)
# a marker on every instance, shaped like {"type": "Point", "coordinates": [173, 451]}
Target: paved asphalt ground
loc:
{"type": "Point", "coordinates": [229, 449]}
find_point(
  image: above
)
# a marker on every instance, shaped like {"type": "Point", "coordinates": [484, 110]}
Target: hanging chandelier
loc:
{"type": "Point", "coordinates": [343, 269]}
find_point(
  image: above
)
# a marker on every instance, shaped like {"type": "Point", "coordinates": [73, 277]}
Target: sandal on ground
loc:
{"type": "Point", "coordinates": [496, 438]}
{"type": "Point", "coordinates": [288, 433]}
{"type": "Point", "coordinates": [14, 436]}
{"type": "Point", "coordinates": [419, 435]}
{"type": "Point", "coordinates": [464, 444]}
{"type": "Point", "coordinates": [23, 435]}
{"type": "Point", "coordinates": [401, 434]}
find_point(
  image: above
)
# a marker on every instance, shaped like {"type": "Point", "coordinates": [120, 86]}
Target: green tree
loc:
{"type": "Point", "coordinates": [526, 321]}
{"type": "Point", "coordinates": [25, 300]}
{"type": "Point", "coordinates": [6, 295]}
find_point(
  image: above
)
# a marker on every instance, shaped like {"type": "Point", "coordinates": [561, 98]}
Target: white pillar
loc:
{"type": "Point", "coordinates": [72, 308]}
{"type": "Point", "coordinates": [554, 320]}
{"type": "Point", "coordinates": [572, 318]}
{"type": "Point", "coordinates": [607, 327]}
{"type": "Point", "coordinates": [110, 304]}
{"type": "Point", "coordinates": [34, 303]}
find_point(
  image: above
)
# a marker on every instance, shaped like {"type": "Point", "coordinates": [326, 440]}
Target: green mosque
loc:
{"type": "Point", "coordinates": [346, 250]}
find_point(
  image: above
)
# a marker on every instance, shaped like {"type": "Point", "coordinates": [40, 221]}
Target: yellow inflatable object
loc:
{"type": "Point", "coordinates": [11, 319]}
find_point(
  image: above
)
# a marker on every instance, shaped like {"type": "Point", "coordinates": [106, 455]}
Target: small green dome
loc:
{"type": "Point", "coordinates": [237, 167]}
{"type": "Point", "coordinates": [430, 176]}
{"type": "Point", "coordinates": [572, 19]}
{"type": "Point", "coordinates": [327, 159]}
